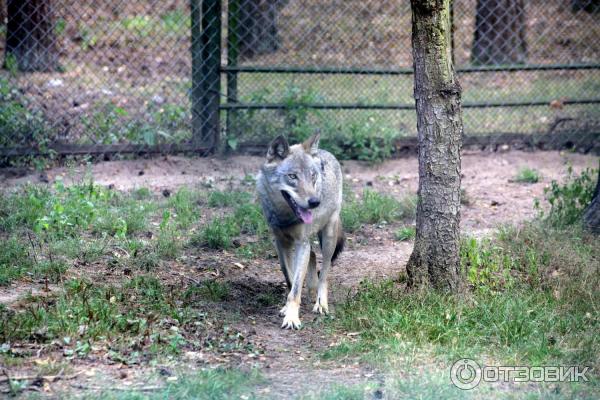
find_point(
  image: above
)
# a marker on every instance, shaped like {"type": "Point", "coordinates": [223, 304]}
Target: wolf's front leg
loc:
{"type": "Point", "coordinates": [291, 319]}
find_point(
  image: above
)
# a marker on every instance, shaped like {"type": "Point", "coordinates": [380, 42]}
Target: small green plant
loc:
{"type": "Point", "coordinates": [569, 199]}
{"type": "Point", "coordinates": [485, 267]}
{"type": "Point", "coordinates": [213, 290]}
{"type": "Point", "coordinates": [406, 233]}
{"type": "Point", "coordinates": [219, 233]}
{"type": "Point", "coordinates": [186, 209]}
{"type": "Point", "coordinates": [527, 175]}
{"type": "Point", "coordinates": [167, 244]}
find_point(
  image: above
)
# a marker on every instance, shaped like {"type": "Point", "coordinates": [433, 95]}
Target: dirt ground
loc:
{"type": "Point", "coordinates": [372, 253]}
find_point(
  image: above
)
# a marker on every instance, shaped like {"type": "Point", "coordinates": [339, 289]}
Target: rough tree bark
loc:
{"type": "Point", "coordinates": [435, 258]}
{"type": "Point", "coordinates": [499, 33]}
{"type": "Point", "coordinates": [30, 36]}
{"type": "Point", "coordinates": [591, 216]}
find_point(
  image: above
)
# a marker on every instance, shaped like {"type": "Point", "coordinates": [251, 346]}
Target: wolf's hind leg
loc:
{"type": "Point", "coordinates": [312, 276]}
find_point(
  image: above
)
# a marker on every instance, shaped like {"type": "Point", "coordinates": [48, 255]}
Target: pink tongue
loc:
{"type": "Point", "coordinates": [306, 216]}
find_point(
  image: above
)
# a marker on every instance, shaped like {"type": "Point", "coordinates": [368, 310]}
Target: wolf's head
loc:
{"type": "Point", "coordinates": [294, 173]}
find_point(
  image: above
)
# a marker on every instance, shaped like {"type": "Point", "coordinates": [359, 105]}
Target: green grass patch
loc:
{"type": "Point", "coordinates": [375, 208]}
{"type": "Point", "coordinates": [531, 300]}
{"type": "Point", "coordinates": [14, 260]}
{"type": "Point", "coordinates": [185, 204]}
{"type": "Point", "coordinates": [214, 384]}
{"type": "Point", "coordinates": [527, 175]}
{"type": "Point", "coordinates": [94, 312]}
{"type": "Point", "coordinates": [569, 200]}
{"type": "Point", "coordinates": [219, 233]}
{"type": "Point", "coordinates": [405, 233]}
{"type": "Point", "coordinates": [231, 198]}
{"type": "Point", "coordinates": [212, 290]}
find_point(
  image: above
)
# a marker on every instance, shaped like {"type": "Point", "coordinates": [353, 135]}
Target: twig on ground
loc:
{"type": "Point", "coordinates": [121, 389]}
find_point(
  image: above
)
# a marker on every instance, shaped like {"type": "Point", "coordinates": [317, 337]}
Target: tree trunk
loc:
{"type": "Point", "coordinates": [590, 6]}
{"type": "Point", "coordinates": [435, 258]}
{"type": "Point", "coordinates": [257, 27]}
{"type": "Point", "coordinates": [30, 37]}
{"type": "Point", "coordinates": [499, 33]}
{"type": "Point", "coordinates": [591, 216]}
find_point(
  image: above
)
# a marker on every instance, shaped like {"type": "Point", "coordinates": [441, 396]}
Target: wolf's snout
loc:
{"type": "Point", "coordinates": [313, 202]}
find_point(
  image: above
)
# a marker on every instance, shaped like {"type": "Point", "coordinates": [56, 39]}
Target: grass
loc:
{"type": "Point", "coordinates": [231, 198]}
{"type": "Point", "coordinates": [90, 311]}
{"type": "Point", "coordinates": [212, 290]}
{"type": "Point", "coordinates": [375, 208]}
{"type": "Point", "coordinates": [405, 233]}
{"type": "Point", "coordinates": [219, 233]}
{"type": "Point", "coordinates": [527, 175]}
{"type": "Point", "coordinates": [531, 298]}
{"type": "Point", "coordinates": [214, 384]}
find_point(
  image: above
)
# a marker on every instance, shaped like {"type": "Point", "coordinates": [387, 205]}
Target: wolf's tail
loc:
{"type": "Point", "coordinates": [341, 240]}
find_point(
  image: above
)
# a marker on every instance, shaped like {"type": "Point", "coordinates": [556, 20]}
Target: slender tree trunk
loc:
{"type": "Point", "coordinates": [590, 6]}
{"type": "Point", "coordinates": [499, 33]}
{"type": "Point", "coordinates": [257, 27]}
{"type": "Point", "coordinates": [435, 258]}
{"type": "Point", "coordinates": [30, 37]}
{"type": "Point", "coordinates": [591, 216]}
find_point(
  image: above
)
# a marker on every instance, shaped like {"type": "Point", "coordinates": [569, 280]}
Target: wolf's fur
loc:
{"type": "Point", "coordinates": [300, 190]}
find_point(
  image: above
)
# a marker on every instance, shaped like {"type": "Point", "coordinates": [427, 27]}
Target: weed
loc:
{"type": "Point", "coordinates": [167, 244]}
{"type": "Point", "coordinates": [527, 175]}
{"type": "Point", "coordinates": [406, 233]}
{"type": "Point", "coordinates": [485, 265]}
{"type": "Point", "coordinates": [212, 290]}
{"type": "Point", "coordinates": [268, 299]}
{"type": "Point", "coordinates": [219, 233]}
{"type": "Point", "coordinates": [186, 209]}
{"type": "Point", "coordinates": [569, 199]}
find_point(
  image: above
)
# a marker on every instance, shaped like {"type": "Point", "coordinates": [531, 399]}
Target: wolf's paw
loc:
{"type": "Point", "coordinates": [321, 308]}
{"type": "Point", "coordinates": [291, 322]}
{"type": "Point", "coordinates": [283, 311]}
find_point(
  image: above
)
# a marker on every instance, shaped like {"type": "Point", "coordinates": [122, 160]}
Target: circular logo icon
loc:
{"type": "Point", "coordinates": [465, 374]}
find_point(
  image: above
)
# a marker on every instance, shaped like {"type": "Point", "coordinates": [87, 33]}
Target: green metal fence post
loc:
{"type": "Point", "coordinates": [232, 59]}
{"type": "Point", "coordinates": [206, 74]}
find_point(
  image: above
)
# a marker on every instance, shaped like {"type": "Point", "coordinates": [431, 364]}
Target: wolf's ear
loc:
{"type": "Point", "coordinates": [278, 149]}
{"type": "Point", "coordinates": [311, 145]}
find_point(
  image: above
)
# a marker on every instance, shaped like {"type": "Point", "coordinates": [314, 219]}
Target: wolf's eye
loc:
{"type": "Point", "coordinates": [292, 176]}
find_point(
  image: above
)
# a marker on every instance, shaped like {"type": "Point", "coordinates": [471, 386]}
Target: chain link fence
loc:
{"type": "Point", "coordinates": [198, 76]}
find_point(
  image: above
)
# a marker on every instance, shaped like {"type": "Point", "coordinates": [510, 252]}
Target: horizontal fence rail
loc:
{"type": "Point", "coordinates": [401, 71]}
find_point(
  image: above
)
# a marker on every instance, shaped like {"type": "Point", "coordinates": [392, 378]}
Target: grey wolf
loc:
{"type": "Point", "coordinates": [300, 191]}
